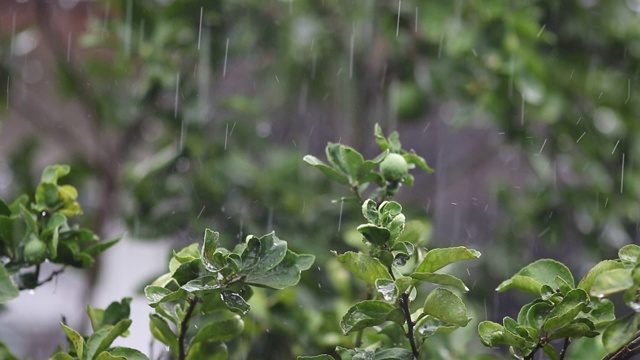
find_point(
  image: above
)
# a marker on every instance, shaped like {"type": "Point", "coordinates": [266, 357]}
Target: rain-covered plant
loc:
{"type": "Point", "coordinates": [38, 232]}
{"type": "Point", "coordinates": [563, 312]}
{"type": "Point", "coordinates": [107, 324]}
{"type": "Point", "coordinates": [388, 324]}
{"type": "Point", "coordinates": [200, 301]}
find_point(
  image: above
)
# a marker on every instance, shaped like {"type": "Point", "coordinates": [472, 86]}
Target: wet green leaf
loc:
{"type": "Point", "coordinates": [76, 340]}
{"type": "Point", "coordinates": [446, 306]}
{"type": "Point", "coordinates": [209, 246]}
{"type": "Point", "coordinates": [493, 334]}
{"type": "Point", "coordinates": [429, 325]}
{"type": "Point", "coordinates": [8, 290]}
{"type": "Point", "coordinates": [606, 265]}
{"type": "Point", "coordinates": [224, 330]}
{"type": "Point", "coordinates": [630, 253]}
{"type": "Point", "coordinates": [4, 209]}
{"type": "Point", "coordinates": [374, 234]}
{"type": "Point", "coordinates": [364, 314]}
{"type": "Point", "coordinates": [620, 332]}
{"type": "Point", "coordinates": [575, 329]}
{"type": "Point", "coordinates": [122, 353]}
{"type": "Point", "coordinates": [387, 288]}
{"type": "Point", "coordinates": [381, 140]}
{"type": "Point", "coordinates": [334, 156]}
{"type": "Point", "coordinates": [393, 354]}
{"type": "Point", "coordinates": [441, 279]}
{"type": "Point", "coordinates": [611, 281]}
{"type": "Point", "coordinates": [565, 311]}
{"type": "Point", "coordinates": [328, 171]}
{"type": "Point", "coordinates": [533, 276]}
{"type": "Point", "coordinates": [102, 339]}
{"type": "Point", "coordinates": [353, 160]}
{"type": "Point", "coordinates": [316, 357]}
{"type": "Point", "coordinates": [234, 302]}
{"type": "Point", "coordinates": [413, 158]}
{"type": "Point", "coordinates": [211, 350]}
{"type": "Point", "coordinates": [364, 267]}
{"type": "Point", "coordinates": [436, 259]}
{"type": "Point", "coordinates": [283, 275]}
{"type": "Point", "coordinates": [162, 332]}
{"type": "Point", "coordinates": [52, 173]}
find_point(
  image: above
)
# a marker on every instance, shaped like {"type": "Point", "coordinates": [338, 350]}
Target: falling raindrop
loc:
{"type": "Point", "coordinates": [622, 175]}
{"type": "Point", "coordinates": [615, 147]}
{"type": "Point", "coordinates": [127, 30]}
{"type": "Point", "coordinates": [226, 54]}
{"type": "Point", "coordinates": [351, 40]}
{"type": "Point", "coordinates": [200, 28]}
{"type": "Point", "coordinates": [340, 216]}
{"type": "Point", "coordinates": [398, 21]}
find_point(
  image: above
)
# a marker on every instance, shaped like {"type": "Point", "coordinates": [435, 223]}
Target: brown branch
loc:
{"type": "Point", "coordinates": [627, 351]}
{"type": "Point", "coordinates": [404, 305]}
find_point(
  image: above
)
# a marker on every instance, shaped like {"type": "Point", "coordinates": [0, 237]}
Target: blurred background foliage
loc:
{"type": "Point", "coordinates": [176, 115]}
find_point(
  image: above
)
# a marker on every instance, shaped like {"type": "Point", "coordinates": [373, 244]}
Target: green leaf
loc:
{"type": "Point", "coordinates": [57, 356]}
{"type": "Point", "coordinates": [102, 339]}
{"type": "Point", "coordinates": [370, 211]}
{"type": "Point", "coordinates": [368, 166]}
{"type": "Point", "coordinates": [575, 329]}
{"type": "Point", "coordinates": [8, 290]}
{"type": "Point", "coordinates": [428, 326]}
{"type": "Point", "coordinates": [387, 288]}
{"type": "Point", "coordinates": [272, 252]}
{"type": "Point", "coordinates": [394, 354]}
{"type": "Point", "coordinates": [380, 138]}
{"type": "Point", "coordinates": [316, 357]}
{"type": "Point", "coordinates": [441, 279]}
{"type": "Point", "coordinates": [364, 314]}
{"type": "Point", "coordinates": [413, 158]}
{"type": "Point", "coordinates": [4, 209]}
{"type": "Point", "coordinates": [76, 340]}
{"type": "Point", "coordinates": [601, 311]}
{"type": "Point", "coordinates": [446, 306]}
{"type": "Point", "coordinates": [328, 171]}
{"type": "Point", "coordinates": [101, 246]}
{"type": "Point", "coordinates": [47, 195]}
{"type": "Point", "coordinates": [396, 226]}
{"type": "Point", "coordinates": [394, 142]}
{"type": "Point", "coordinates": [630, 253]}
{"type": "Point", "coordinates": [334, 156]}
{"type": "Point", "coordinates": [436, 259]}
{"type": "Point", "coordinates": [162, 332]}
{"type": "Point", "coordinates": [235, 302]}
{"type": "Point", "coordinates": [364, 267]}
{"type": "Point", "coordinates": [533, 276]}
{"type": "Point", "coordinates": [209, 246]}
{"type": "Point", "coordinates": [353, 160]}
{"type": "Point", "coordinates": [123, 353]}
{"type": "Point", "coordinates": [493, 334]}
{"type": "Point", "coordinates": [620, 332]}
{"type": "Point", "coordinates": [224, 330]}
{"type": "Point", "coordinates": [565, 311]}
{"type": "Point", "coordinates": [587, 281]}
{"type": "Point", "coordinates": [374, 234]}
{"type": "Point", "coordinates": [283, 275]}
{"type": "Point", "coordinates": [551, 352]}
{"type": "Point", "coordinates": [5, 354]}
{"type": "Point", "coordinates": [611, 281]}
{"type": "Point", "coordinates": [116, 312]}
{"type": "Point", "coordinates": [208, 350]}
{"type": "Point", "coordinates": [188, 271]}
{"type": "Point", "coordinates": [185, 255]}
{"type": "Point", "coordinates": [52, 173]}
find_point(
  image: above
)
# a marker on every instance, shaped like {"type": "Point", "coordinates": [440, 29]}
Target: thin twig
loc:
{"type": "Point", "coordinates": [404, 305]}
{"type": "Point", "coordinates": [44, 281]}
{"type": "Point", "coordinates": [533, 352]}
{"type": "Point", "coordinates": [626, 352]}
{"type": "Point", "coordinates": [184, 326]}
{"type": "Point", "coordinates": [563, 353]}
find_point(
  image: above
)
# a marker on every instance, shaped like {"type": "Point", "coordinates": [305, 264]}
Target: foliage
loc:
{"type": "Point", "coordinates": [216, 283]}
{"type": "Point", "coordinates": [393, 266]}
{"type": "Point", "coordinates": [31, 234]}
{"type": "Point", "coordinates": [566, 311]}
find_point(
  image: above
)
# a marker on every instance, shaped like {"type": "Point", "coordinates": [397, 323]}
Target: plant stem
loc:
{"type": "Point", "coordinates": [627, 351]}
{"type": "Point", "coordinates": [184, 325]}
{"type": "Point", "coordinates": [404, 304]}
{"type": "Point", "coordinates": [563, 353]}
{"type": "Point", "coordinates": [533, 352]}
